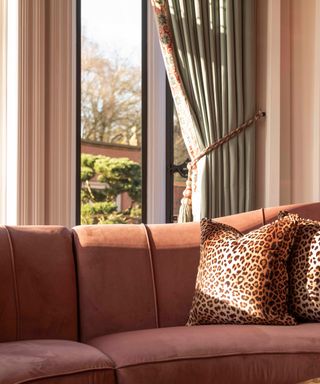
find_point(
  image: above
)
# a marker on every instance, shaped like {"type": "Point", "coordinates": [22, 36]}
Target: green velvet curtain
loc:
{"type": "Point", "coordinates": [209, 51]}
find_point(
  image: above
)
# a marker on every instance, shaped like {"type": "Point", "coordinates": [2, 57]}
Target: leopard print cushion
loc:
{"type": "Point", "coordinates": [304, 270]}
{"type": "Point", "coordinates": [242, 279]}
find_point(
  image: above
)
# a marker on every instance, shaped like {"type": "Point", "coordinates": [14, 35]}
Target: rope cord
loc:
{"type": "Point", "coordinates": [234, 132]}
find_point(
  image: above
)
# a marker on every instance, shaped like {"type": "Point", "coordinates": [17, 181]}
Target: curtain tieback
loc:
{"type": "Point", "coordinates": [185, 212]}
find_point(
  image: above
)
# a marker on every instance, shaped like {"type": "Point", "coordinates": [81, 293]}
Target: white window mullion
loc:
{"type": "Point", "coordinates": [3, 107]}
{"type": "Point", "coordinates": [156, 168]}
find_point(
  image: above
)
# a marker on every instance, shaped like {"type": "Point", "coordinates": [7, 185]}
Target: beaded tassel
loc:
{"type": "Point", "coordinates": [185, 211]}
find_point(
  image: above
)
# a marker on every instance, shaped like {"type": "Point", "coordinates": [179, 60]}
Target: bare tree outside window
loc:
{"type": "Point", "coordinates": [110, 97]}
{"type": "Point", "coordinates": [110, 113]}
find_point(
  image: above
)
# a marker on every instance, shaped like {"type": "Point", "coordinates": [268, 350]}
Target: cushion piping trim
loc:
{"type": "Point", "coordinates": [15, 283]}
{"type": "Point", "coordinates": [263, 216]}
{"type": "Point", "coordinates": [66, 373]}
{"type": "Point", "coordinates": [154, 287]}
{"type": "Point", "coordinates": [214, 356]}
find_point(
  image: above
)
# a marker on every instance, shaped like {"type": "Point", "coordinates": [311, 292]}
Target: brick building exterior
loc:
{"type": "Point", "coordinates": [133, 153]}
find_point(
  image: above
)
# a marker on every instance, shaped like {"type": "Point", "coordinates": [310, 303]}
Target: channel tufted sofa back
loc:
{"type": "Point", "coordinates": [133, 277]}
{"type": "Point", "coordinates": [38, 298]}
{"type": "Point", "coordinates": [97, 280]}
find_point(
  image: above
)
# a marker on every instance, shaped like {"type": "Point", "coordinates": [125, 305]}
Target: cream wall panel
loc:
{"type": "Point", "coordinates": [261, 92]}
{"type": "Point", "coordinates": [303, 37]}
{"type": "Point", "coordinates": [268, 168]}
{"type": "Point", "coordinates": [316, 106]}
{"type": "Point", "coordinates": [288, 88]}
{"type": "Point", "coordinates": [3, 107]}
{"type": "Point", "coordinates": [12, 112]}
{"type": "Point", "coordinates": [285, 183]}
{"type": "Point", "coordinates": [61, 113]}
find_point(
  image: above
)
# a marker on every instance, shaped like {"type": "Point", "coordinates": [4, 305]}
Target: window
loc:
{"type": "Point", "coordinates": [113, 40]}
{"type": "Point", "coordinates": [111, 111]}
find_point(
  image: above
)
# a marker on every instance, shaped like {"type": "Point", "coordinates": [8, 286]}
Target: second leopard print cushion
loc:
{"type": "Point", "coordinates": [304, 269]}
{"type": "Point", "coordinates": [242, 279]}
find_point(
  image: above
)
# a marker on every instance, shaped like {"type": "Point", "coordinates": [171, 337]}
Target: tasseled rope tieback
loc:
{"type": "Point", "coordinates": [185, 213]}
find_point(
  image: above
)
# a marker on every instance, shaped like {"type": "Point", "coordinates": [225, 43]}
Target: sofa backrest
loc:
{"type": "Point", "coordinates": [129, 276]}
{"type": "Point", "coordinates": [114, 279]}
{"type": "Point", "coordinates": [134, 277]}
{"type": "Point", "coordinates": [38, 298]}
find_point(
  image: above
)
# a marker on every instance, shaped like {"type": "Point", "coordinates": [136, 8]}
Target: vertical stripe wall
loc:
{"type": "Point", "coordinates": [3, 107]}
{"type": "Point", "coordinates": [46, 182]}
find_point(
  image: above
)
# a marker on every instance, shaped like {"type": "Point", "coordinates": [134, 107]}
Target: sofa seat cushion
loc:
{"type": "Point", "coordinates": [53, 361]}
{"type": "Point", "coordinates": [215, 354]}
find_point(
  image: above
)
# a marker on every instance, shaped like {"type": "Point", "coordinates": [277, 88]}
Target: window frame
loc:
{"type": "Point", "coordinates": [157, 118]}
{"type": "Point", "coordinates": [78, 113]}
{"type": "Point", "coordinates": [169, 154]}
{"type": "Point", "coordinates": [144, 109]}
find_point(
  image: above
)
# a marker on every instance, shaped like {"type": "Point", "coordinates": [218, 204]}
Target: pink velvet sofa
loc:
{"type": "Point", "coordinates": [108, 304]}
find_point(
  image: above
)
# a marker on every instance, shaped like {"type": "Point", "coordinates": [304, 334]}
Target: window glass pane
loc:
{"type": "Point", "coordinates": [180, 155]}
{"type": "Point", "coordinates": [111, 111]}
